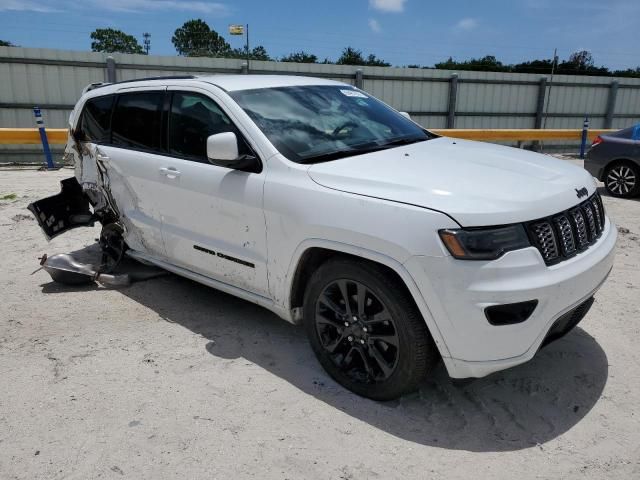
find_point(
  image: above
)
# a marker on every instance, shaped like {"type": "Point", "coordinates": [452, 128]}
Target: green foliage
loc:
{"type": "Point", "coordinates": [257, 53]}
{"type": "Point", "coordinates": [488, 63]}
{"type": "Point", "coordinates": [629, 72]}
{"type": "Point", "coordinates": [195, 39]}
{"type": "Point", "coordinates": [300, 57]}
{"type": "Point", "coordinates": [374, 61]}
{"type": "Point", "coordinates": [579, 63]}
{"type": "Point", "coordinates": [351, 56]}
{"type": "Point", "coordinates": [534, 66]}
{"type": "Point", "coordinates": [5, 43]}
{"type": "Point", "coordinates": [110, 40]}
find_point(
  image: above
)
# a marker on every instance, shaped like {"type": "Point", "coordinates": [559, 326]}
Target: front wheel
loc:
{"type": "Point", "coordinates": [623, 180]}
{"type": "Point", "coordinates": [366, 331]}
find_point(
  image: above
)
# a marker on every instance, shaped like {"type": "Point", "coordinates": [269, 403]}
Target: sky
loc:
{"type": "Point", "coordinates": [402, 32]}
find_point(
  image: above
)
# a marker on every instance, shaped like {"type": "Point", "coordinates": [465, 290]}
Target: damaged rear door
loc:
{"type": "Point", "coordinates": [131, 161]}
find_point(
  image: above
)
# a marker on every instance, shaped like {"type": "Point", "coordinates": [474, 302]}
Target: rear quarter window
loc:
{"type": "Point", "coordinates": [95, 121]}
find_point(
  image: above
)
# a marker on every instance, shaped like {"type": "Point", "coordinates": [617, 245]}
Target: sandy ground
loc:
{"type": "Point", "coordinates": [170, 379]}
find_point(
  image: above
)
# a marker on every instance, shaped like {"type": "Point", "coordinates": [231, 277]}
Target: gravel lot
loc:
{"type": "Point", "coordinates": [171, 379]}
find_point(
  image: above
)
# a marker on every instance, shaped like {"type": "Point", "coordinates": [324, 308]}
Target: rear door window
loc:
{"type": "Point", "coordinates": [192, 119]}
{"type": "Point", "coordinates": [137, 121]}
{"type": "Point", "coordinates": [95, 120]}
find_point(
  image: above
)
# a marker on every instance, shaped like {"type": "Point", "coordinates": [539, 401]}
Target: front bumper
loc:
{"type": "Point", "coordinates": [458, 291]}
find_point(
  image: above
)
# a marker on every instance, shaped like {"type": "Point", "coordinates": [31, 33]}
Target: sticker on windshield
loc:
{"type": "Point", "coordinates": [353, 93]}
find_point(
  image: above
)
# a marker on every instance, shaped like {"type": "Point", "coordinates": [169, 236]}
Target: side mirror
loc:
{"type": "Point", "coordinates": [222, 148]}
{"type": "Point", "coordinates": [405, 115]}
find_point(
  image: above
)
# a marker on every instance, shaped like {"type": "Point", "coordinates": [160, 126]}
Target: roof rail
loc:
{"type": "Point", "coordinates": [93, 86]}
{"type": "Point", "coordinates": [167, 77]}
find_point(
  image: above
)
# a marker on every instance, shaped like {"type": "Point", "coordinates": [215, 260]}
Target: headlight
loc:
{"type": "Point", "coordinates": [484, 243]}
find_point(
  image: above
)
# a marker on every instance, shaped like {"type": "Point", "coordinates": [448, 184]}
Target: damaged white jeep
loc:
{"type": "Point", "coordinates": [393, 246]}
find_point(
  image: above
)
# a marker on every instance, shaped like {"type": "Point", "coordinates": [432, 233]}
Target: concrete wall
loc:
{"type": "Point", "coordinates": [54, 79]}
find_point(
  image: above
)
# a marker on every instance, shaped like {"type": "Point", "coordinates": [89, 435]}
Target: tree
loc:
{"type": "Point", "coordinates": [581, 63]}
{"type": "Point", "coordinates": [534, 66]}
{"type": "Point", "coordinates": [582, 59]}
{"type": "Point", "coordinates": [256, 53]}
{"type": "Point", "coordinates": [629, 72]}
{"type": "Point", "coordinates": [5, 43]}
{"type": "Point", "coordinates": [259, 53]}
{"type": "Point", "coordinates": [374, 61]}
{"type": "Point", "coordinates": [488, 63]}
{"type": "Point", "coordinates": [195, 39]}
{"type": "Point", "coordinates": [300, 57]}
{"type": "Point", "coordinates": [352, 56]}
{"type": "Point", "coordinates": [110, 40]}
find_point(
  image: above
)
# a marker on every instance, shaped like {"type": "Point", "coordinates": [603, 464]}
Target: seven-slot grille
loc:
{"type": "Point", "coordinates": [563, 235]}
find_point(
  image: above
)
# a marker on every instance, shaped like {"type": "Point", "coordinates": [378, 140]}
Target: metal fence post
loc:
{"type": "Point", "coordinates": [611, 104]}
{"type": "Point", "coordinates": [585, 131]}
{"type": "Point", "coordinates": [111, 69]}
{"type": "Point", "coordinates": [43, 137]}
{"type": "Point", "coordinates": [359, 79]}
{"type": "Point", "coordinates": [542, 93]}
{"type": "Point", "coordinates": [453, 95]}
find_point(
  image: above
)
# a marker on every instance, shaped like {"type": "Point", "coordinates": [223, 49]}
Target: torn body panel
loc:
{"type": "Point", "coordinates": [98, 182]}
{"type": "Point", "coordinates": [62, 212]}
{"type": "Point", "coordinates": [83, 199]}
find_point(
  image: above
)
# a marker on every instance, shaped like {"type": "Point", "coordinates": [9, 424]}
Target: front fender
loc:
{"type": "Point", "coordinates": [373, 256]}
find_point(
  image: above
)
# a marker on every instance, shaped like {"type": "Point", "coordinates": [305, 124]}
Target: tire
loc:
{"type": "Point", "coordinates": [379, 348]}
{"type": "Point", "coordinates": [622, 180]}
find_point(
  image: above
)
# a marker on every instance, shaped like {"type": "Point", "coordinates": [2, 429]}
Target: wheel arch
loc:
{"type": "Point", "coordinates": [311, 254]}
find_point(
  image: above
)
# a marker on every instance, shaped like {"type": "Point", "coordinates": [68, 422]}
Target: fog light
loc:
{"type": "Point", "coordinates": [510, 313]}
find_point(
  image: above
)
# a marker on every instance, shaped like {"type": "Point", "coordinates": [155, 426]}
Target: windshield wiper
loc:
{"type": "Point", "coordinates": [327, 157]}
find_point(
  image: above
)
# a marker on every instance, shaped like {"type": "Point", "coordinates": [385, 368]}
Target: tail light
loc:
{"type": "Point", "coordinates": [597, 141]}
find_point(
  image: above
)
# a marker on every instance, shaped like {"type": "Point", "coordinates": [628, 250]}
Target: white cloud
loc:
{"type": "Point", "coordinates": [25, 5]}
{"type": "Point", "coordinates": [374, 25]}
{"type": "Point", "coordinates": [467, 24]}
{"type": "Point", "coordinates": [199, 6]}
{"type": "Point", "coordinates": [388, 5]}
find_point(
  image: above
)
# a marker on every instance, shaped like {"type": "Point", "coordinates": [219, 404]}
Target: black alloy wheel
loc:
{"type": "Point", "coordinates": [366, 330]}
{"type": "Point", "coordinates": [357, 331]}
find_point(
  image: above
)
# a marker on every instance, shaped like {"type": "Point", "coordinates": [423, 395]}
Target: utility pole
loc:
{"type": "Point", "coordinates": [553, 69]}
{"type": "Point", "coordinates": [248, 56]}
{"type": "Point", "coordinates": [146, 42]}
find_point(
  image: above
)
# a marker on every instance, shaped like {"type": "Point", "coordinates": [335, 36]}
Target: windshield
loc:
{"type": "Point", "coordinates": [312, 124]}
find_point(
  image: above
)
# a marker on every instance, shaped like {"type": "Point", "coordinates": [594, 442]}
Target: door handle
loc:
{"type": "Point", "coordinates": [169, 172]}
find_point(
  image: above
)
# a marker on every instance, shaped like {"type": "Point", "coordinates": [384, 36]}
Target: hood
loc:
{"type": "Point", "coordinates": [476, 183]}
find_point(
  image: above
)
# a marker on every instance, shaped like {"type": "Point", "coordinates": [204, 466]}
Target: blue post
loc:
{"type": "Point", "coordinates": [43, 137]}
{"type": "Point", "coordinates": [585, 130]}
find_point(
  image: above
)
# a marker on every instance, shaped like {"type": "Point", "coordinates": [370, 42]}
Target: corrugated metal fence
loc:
{"type": "Point", "coordinates": [53, 80]}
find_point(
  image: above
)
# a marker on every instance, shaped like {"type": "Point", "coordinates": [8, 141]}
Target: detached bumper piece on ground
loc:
{"type": "Point", "coordinates": [68, 270]}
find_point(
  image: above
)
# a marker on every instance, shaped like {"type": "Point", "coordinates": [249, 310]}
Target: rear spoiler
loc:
{"type": "Point", "coordinates": [93, 86]}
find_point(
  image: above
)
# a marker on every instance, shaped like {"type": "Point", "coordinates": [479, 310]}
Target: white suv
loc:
{"type": "Point", "coordinates": [393, 246]}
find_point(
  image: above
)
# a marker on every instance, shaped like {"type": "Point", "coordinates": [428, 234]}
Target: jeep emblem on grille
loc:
{"type": "Point", "coordinates": [582, 192]}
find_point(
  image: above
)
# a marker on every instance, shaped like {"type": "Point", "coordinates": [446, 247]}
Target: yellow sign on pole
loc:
{"type": "Point", "coordinates": [236, 29]}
